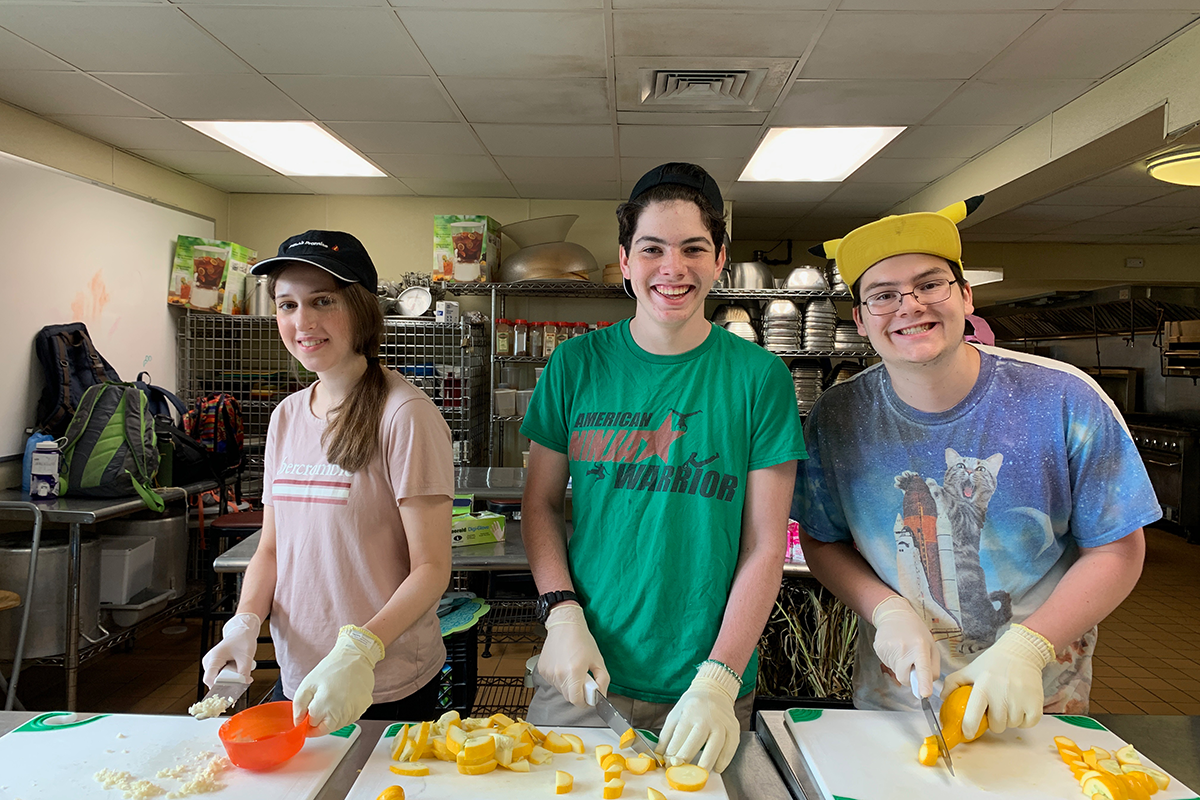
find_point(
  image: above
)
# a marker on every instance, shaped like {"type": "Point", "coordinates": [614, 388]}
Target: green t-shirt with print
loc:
{"type": "Point", "coordinates": [659, 450]}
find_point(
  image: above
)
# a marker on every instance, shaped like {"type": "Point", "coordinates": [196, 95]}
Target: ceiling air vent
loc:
{"type": "Point", "coordinates": [723, 88]}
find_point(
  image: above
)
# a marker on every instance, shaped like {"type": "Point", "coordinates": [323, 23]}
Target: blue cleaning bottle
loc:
{"type": "Point", "coordinates": [27, 462]}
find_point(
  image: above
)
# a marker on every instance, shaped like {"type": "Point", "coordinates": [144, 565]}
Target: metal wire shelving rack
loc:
{"type": "Point", "coordinates": [244, 356]}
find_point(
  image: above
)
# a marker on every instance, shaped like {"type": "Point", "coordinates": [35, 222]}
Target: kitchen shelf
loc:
{"type": "Point", "coordinates": [501, 695]}
{"type": "Point", "coordinates": [516, 418]}
{"type": "Point", "coordinates": [520, 360]}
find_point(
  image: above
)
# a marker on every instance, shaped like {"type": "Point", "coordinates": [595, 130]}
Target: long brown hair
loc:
{"type": "Point", "coordinates": [352, 437]}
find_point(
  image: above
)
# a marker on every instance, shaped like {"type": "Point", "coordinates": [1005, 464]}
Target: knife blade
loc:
{"type": "Point", "coordinates": [932, 719]}
{"type": "Point", "coordinates": [613, 719]}
{"type": "Point", "coordinates": [229, 686]}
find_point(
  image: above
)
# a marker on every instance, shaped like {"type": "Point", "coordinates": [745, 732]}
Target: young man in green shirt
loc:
{"type": "Point", "coordinates": [680, 441]}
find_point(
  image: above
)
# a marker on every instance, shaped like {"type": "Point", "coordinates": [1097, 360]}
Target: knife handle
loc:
{"type": "Point", "coordinates": [591, 690]}
{"type": "Point", "coordinates": [915, 682]}
{"type": "Point", "coordinates": [230, 675]}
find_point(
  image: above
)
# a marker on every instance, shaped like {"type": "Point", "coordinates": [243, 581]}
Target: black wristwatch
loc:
{"type": "Point", "coordinates": [549, 600]}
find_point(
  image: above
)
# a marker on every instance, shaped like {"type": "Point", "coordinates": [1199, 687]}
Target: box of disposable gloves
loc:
{"type": "Point", "coordinates": [481, 528]}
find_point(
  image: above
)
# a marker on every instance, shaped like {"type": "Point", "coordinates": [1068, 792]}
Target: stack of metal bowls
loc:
{"type": "Point", "coordinates": [820, 322]}
{"type": "Point", "coordinates": [847, 337]}
{"type": "Point", "coordinates": [742, 329]}
{"type": "Point", "coordinates": [781, 327]}
{"type": "Point", "coordinates": [807, 378]}
{"type": "Point", "coordinates": [835, 278]}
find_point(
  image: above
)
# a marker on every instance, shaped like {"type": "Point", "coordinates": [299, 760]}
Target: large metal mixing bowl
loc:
{"type": "Point", "coordinates": [547, 262]}
{"type": "Point", "coordinates": [750, 275]}
{"type": "Point", "coordinates": [541, 230]}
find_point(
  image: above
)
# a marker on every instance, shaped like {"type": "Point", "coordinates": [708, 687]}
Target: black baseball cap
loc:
{"type": "Point", "coordinates": [683, 174]}
{"type": "Point", "coordinates": [338, 253]}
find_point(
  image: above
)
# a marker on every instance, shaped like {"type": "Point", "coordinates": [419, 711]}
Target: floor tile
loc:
{"type": "Point", "coordinates": [1121, 707]}
{"type": "Point", "coordinates": [1158, 708]}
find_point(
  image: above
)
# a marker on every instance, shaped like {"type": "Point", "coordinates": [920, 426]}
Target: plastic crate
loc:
{"type": "Point", "coordinates": [458, 678]}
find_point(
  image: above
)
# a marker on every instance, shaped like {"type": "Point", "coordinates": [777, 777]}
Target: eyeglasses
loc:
{"type": "Point", "coordinates": [926, 294]}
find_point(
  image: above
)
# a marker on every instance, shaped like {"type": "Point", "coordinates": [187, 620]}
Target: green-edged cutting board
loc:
{"type": "Point", "coordinates": [872, 755]}
{"type": "Point", "coordinates": [54, 756]}
{"type": "Point", "coordinates": [444, 781]}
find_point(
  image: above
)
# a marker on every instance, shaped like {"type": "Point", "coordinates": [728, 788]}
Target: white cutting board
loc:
{"type": "Point", "coordinates": [870, 755]}
{"type": "Point", "coordinates": [444, 780]}
{"type": "Point", "coordinates": [45, 761]}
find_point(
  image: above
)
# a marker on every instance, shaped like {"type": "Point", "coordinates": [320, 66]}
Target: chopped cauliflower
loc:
{"type": "Point", "coordinates": [209, 707]}
{"type": "Point", "coordinates": [128, 784]}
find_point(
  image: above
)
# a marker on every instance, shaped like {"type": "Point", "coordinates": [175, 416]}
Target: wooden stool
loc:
{"type": "Point", "coordinates": [9, 600]}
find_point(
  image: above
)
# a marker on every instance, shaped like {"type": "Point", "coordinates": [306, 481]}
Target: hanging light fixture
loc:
{"type": "Point", "coordinates": [1181, 167]}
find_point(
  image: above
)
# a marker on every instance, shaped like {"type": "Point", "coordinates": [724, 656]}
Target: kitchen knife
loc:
{"type": "Point", "coordinates": [614, 720]}
{"type": "Point", "coordinates": [932, 719]}
{"type": "Point", "coordinates": [229, 686]}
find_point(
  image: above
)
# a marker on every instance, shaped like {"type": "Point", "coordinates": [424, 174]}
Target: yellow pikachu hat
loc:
{"type": "Point", "coordinates": [935, 233]}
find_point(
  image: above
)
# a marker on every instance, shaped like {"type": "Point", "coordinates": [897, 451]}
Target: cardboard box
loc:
{"type": "Point", "coordinates": [126, 567]}
{"type": "Point", "coordinates": [466, 249]}
{"type": "Point", "coordinates": [482, 528]}
{"type": "Point", "coordinates": [210, 275]}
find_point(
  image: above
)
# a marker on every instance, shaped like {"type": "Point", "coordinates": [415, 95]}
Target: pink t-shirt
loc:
{"type": "Point", "coordinates": [340, 542]}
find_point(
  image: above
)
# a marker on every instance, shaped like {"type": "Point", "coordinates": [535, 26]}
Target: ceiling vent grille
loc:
{"type": "Point", "coordinates": [731, 88]}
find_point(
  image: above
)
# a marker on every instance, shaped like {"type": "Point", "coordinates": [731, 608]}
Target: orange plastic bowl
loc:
{"type": "Point", "coordinates": [263, 737]}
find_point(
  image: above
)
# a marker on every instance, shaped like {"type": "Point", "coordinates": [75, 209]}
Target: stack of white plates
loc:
{"type": "Point", "coordinates": [820, 322]}
{"type": "Point", "coordinates": [781, 327]}
{"type": "Point", "coordinates": [847, 337]}
{"type": "Point", "coordinates": [807, 378]}
{"type": "Point", "coordinates": [742, 329]}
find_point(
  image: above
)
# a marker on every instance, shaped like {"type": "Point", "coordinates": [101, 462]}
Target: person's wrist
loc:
{"type": "Point", "coordinates": [895, 604]}
{"type": "Point", "coordinates": [247, 619]}
{"type": "Point", "coordinates": [568, 612]}
{"type": "Point", "coordinates": [1037, 648]}
{"type": "Point", "coordinates": [719, 674]}
{"type": "Point", "coordinates": [364, 641]}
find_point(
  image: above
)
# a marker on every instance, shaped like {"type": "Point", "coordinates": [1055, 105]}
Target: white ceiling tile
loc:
{"type": "Point", "coordinates": [206, 162]}
{"type": "Point", "coordinates": [451, 168]}
{"type": "Point", "coordinates": [315, 41]}
{"type": "Point", "coordinates": [253, 184]}
{"type": "Point", "coordinates": [1008, 102]}
{"type": "Point", "coordinates": [427, 138]}
{"type": "Point", "coordinates": [367, 98]}
{"type": "Point", "coordinates": [888, 194]}
{"type": "Point", "coordinates": [830, 209]}
{"type": "Point", "coordinates": [761, 227]}
{"type": "Point", "coordinates": [927, 45]}
{"type": "Point", "coordinates": [723, 170]}
{"type": "Point", "coordinates": [967, 236]}
{"type": "Point", "coordinates": [750, 5]}
{"type": "Point", "coordinates": [946, 141]}
{"type": "Point", "coordinates": [818, 230]}
{"type": "Point", "coordinates": [65, 93]}
{"type": "Point", "coordinates": [356, 186]}
{"type": "Point", "coordinates": [207, 97]}
{"type": "Point", "coordinates": [530, 169]}
{"type": "Point", "coordinates": [578, 101]}
{"type": "Point", "coordinates": [691, 118]}
{"type": "Point", "coordinates": [549, 5]}
{"type": "Point", "coordinates": [436, 187]}
{"type": "Point", "coordinates": [1097, 227]}
{"type": "Point", "coordinates": [875, 102]}
{"type": "Point", "coordinates": [1062, 213]}
{"type": "Point", "coordinates": [713, 33]}
{"type": "Point", "coordinates": [1014, 226]}
{"type": "Point", "coordinates": [1159, 215]}
{"type": "Point", "coordinates": [140, 133]}
{"type": "Point", "coordinates": [1087, 195]}
{"type": "Point", "coordinates": [290, 3]}
{"type": "Point", "coordinates": [553, 44]}
{"type": "Point", "coordinates": [743, 209]}
{"type": "Point", "coordinates": [780, 192]}
{"type": "Point", "coordinates": [1186, 197]}
{"type": "Point", "coordinates": [16, 53]}
{"type": "Point", "coordinates": [675, 143]}
{"type": "Point", "coordinates": [1084, 45]}
{"type": "Point", "coordinates": [597, 190]}
{"type": "Point", "coordinates": [1135, 5]}
{"type": "Point", "coordinates": [1129, 175]}
{"type": "Point", "coordinates": [904, 170]}
{"type": "Point", "coordinates": [947, 5]}
{"type": "Point", "coordinates": [547, 140]}
{"type": "Point", "coordinates": [121, 38]}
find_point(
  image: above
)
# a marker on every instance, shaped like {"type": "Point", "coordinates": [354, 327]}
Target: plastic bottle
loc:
{"type": "Point", "coordinates": [520, 337]}
{"type": "Point", "coordinates": [504, 338]}
{"type": "Point", "coordinates": [27, 462]}
{"type": "Point", "coordinates": [549, 338]}
{"type": "Point", "coordinates": [580, 329]}
{"type": "Point", "coordinates": [536, 333]}
{"type": "Point", "coordinates": [43, 474]}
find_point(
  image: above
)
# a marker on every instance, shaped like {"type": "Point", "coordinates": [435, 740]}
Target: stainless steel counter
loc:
{"type": "Point", "coordinates": [751, 775]}
{"type": "Point", "coordinates": [1171, 742]}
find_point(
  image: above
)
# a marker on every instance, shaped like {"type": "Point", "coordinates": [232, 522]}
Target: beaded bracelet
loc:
{"type": "Point", "coordinates": [722, 665]}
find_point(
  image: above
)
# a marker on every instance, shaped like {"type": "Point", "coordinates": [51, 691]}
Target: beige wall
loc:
{"type": "Point", "coordinates": [30, 137]}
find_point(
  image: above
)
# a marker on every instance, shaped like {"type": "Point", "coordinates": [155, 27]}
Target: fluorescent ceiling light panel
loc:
{"type": "Point", "coordinates": [291, 148]}
{"type": "Point", "coordinates": [815, 154]}
{"type": "Point", "coordinates": [978, 277]}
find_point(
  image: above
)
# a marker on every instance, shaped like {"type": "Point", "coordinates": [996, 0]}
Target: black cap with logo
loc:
{"type": "Point", "coordinates": [338, 253]}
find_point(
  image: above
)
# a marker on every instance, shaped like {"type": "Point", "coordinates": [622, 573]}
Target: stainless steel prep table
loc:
{"type": "Point", "coordinates": [751, 775]}
{"type": "Point", "coordinates": [1172, 742]}
{"type": "Point", "coordinates": [76, 512]}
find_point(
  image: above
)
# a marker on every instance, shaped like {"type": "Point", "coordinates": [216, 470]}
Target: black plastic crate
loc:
{"type": "Point", "coordinates": [458, 678]}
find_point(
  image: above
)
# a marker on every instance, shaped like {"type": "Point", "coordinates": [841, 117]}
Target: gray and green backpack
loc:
{"type": "Point", "coordinates": [111, 449]}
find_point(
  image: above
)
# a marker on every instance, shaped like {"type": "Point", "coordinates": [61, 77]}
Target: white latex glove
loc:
{"type": "Point", "coordinates": [569, 653]}
{"type": "Point", "coordinates": [338, 690]}
{"type": "Point", "coordinates": [704, 717]}
{"type": "Point", "coordinates": [1007, 681]}
{"type": "Point", "coordinates": [239, 642]}
{"type": "Point", "coordinates": [904, 644]}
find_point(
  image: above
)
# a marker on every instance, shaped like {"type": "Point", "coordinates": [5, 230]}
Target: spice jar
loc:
{"type": "Point", "coordinates": [602, 324]}
{"type": "Point", "coordinates": [535, 339]}
{"type": "Point", "coordinates": [520, 337]}
{"type": "Point", "coordinates": [549, 338]}
{"type": "Point", "coordinates": [580, 329]}
{"type": "Point", "coordinates": [504, 341]}
{"type": "Point", "coordinates": [564, 331]}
